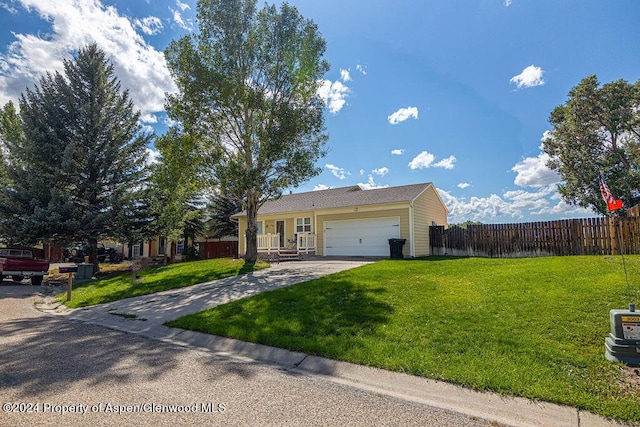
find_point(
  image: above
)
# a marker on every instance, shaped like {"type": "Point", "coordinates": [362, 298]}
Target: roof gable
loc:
{"type": "Point", "coordinates": [340, 198]}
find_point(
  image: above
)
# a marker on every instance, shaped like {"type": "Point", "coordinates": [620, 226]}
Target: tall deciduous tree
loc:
{"type": "Point", "coordinates": [179, 183]}
{"type": "Point", "coordinates": [248, 87]}
{"type": "Point", "coordinates": [79, 159]}
{"type": "Point", "coordinates": [597, 131]}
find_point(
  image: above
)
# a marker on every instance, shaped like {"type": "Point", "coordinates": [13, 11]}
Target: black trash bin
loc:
{"type": "Point", "coordinates": [395, 248]}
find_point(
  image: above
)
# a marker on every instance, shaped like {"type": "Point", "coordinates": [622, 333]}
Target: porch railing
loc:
{"type": "Point", "coordinates": [268, 242]}
{"type": "Point", "coordinates": [306, 242]}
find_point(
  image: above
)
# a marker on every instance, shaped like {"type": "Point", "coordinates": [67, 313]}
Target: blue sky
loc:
{"type": "Point", "coordinates": [454, 92]}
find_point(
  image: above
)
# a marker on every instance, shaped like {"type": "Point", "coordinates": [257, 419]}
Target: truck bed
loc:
{"type": "Point", "coordinates": [19, 263]}
{"type": "Point", "coordinates": [23, 266]}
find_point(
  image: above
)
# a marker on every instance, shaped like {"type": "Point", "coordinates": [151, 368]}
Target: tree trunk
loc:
{"type": "Point", "coordinates": [93, 254]}
{"type": "Point", "coordinates": [174, 249]}
{"type": "Point", "coordinates": [251, 234]}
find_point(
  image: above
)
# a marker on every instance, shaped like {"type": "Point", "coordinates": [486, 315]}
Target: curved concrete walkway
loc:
{"type": "Point", "coordinates": [145, 316]}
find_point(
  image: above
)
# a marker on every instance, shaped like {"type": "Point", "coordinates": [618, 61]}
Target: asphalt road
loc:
{"type": "Point", "coordinates": [56, 371]}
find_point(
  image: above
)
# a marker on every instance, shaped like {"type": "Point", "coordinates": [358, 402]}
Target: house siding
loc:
{"type": "Point", "coordinates": [242, 229]}
{"type": "Point", "coordinates": [427, 209]}
{"type": "Point", "coordinates": [402, 213]}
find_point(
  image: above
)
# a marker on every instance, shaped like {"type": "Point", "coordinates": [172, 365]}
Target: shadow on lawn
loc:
{"type": "Point", "coordinates": [320, 317]}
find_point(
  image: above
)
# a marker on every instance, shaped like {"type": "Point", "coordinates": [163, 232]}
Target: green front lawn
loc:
{"type": "Point", "coordinates": [154, 279]}
{"type": "Point", "coordinates": [531, 327]}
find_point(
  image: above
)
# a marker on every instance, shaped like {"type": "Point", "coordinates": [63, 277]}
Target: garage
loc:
{"type": "Point", "coordinates": [362, 237]}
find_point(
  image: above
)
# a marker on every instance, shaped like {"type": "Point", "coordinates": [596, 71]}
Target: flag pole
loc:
{"type": "Point", "coordinates": [616, 219]}
{"type": "Point", "coordinates": [613, 205]}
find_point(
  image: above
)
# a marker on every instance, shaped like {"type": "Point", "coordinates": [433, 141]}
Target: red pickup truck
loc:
{"type": "Point", "coordinates": [21, 262]}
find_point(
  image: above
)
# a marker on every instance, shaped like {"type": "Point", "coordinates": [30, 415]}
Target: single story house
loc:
{"type": "Point", "coordinates": [348, 221]}
{"type": "Point", "coordinates": [210, 247]}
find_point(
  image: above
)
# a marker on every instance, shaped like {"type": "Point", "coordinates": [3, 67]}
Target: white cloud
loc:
{"type": "Point", "coordinates": [426, 160]}
{"type": "Point", "coordinates": [149, 118]}
{"type": "Point", "coordinates": [529, 77]}
{"type": "Point", "coordinates": [510, 206]}
{"type": "Point", "coordinates": [397, 152]}
{"type": "Point", "coordinates": [149, 25]}
{"type": "Point", "coordinates": [362, 69]}
{"type": "Point", "coordinates": [333, 94]}
{"type": "Point", "coordinates": [403, 114]}
{"type": "Point", "coordinates": [380, 171]}
{"type": "Point", "coordinates": [477, 208]}
{"type": "Point", "coordinates": [153, 156]}
{"type": "Point", "coordinates": [422, 160]}
{"type": "Point", "coordinates": [447, 163]}
{"type": "Point", "coordinates": [463, 185]}
{"type": "Point", "coordinates": [138, 65]}
{"type": "Point", "coordinates": [177, 16]}
{"type": "Point", "coordinates": [336, 171]}
{"type": "Point", "coordinates": [321, 187]}
{"type": "Point", "coordinates": [535, 201]}
{"type": "Point", "coordinates": [507, 3]}
{"type": "Point", "coordinates": [344, 75]}
{"type": "Point", "coordinates": [9, 8]}
{"type": "Point", "coordinates": [182, 6]}
{"type": "Point", "coordinates": [370, 184]}
{"type": "Point", "coordinates": [533, 172]}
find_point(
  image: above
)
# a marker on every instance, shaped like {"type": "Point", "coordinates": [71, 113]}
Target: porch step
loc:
{"type": "Point", "coordinates": [281, 256]}
{"type": "Point", "coordinates": [289, 256]}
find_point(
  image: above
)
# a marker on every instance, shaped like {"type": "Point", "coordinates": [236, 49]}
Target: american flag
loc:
{"type": "Point", "coordinates": [613, 204]}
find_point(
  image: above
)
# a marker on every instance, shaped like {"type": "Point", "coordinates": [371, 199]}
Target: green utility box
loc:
{"type": "Point", "coordinates": [85, 272]}
{"type": "Point", "coordinates": [623, 343]}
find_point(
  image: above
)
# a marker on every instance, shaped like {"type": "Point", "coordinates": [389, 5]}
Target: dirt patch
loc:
{"type": "Point", "coordinates": [630, 379]}
{"type": "Point", "coordinates": [106, 270]}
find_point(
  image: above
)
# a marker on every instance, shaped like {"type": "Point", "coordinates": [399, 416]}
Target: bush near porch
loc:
{"type": "Point", "coordinates": [530, 327]}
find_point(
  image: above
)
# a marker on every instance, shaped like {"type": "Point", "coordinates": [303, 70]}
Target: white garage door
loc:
{"type": "Point", "coordinates": [363, 237]}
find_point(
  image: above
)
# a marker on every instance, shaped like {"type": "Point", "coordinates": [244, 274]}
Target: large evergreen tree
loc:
{"type": "Point", "coordinates": [9, 124]}
{"type": "Point", "coordinates": [78, 162]}
{"type": "Point", "coordinates": [220, 210]}
{"type": "Point", "coordinates": [597, 131]}
{"type": "Point", "coordinates": [248, 88]}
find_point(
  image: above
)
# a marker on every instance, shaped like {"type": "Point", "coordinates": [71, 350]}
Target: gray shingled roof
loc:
{"type": "Point", "coordinates": [340, 198]}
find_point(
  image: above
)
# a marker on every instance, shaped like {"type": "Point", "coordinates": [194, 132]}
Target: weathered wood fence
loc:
{"type": "Point", "coordinates": [587, 236]}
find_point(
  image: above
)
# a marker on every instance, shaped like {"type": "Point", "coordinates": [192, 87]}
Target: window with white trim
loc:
{"type": "Point", "coordinates": [303, 225]}
{"type": "Point", "coordinates": [260, 225]}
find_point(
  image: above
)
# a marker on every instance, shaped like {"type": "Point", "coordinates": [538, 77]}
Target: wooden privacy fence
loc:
{"type": "Point", "coordinates": [586, 236]}
{"type": "Point", "coordinates": [219, 249]}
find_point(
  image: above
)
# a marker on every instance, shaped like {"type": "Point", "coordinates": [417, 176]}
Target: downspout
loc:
{"type": "Point", "coordinates": [317, 232]}
{"type": "Point", "coordinates": [412, 245]}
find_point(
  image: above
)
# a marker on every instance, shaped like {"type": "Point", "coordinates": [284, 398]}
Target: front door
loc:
{"type": "Point", "coordinates": [280, 231]}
